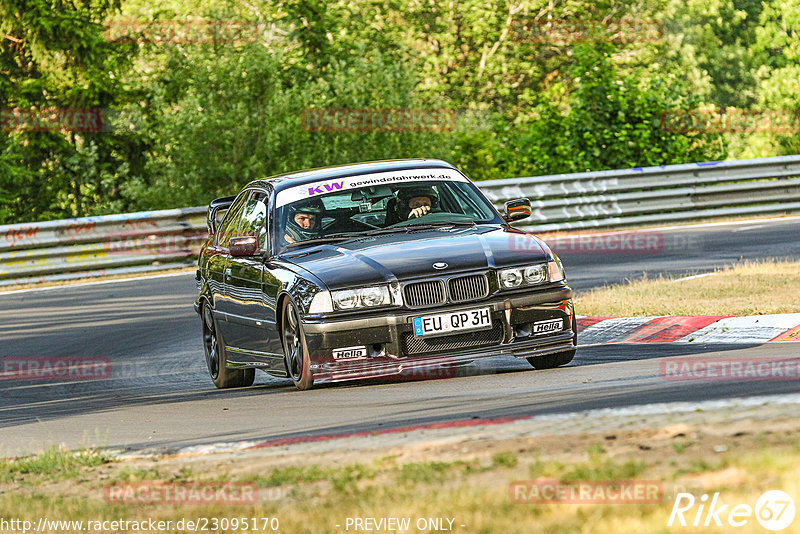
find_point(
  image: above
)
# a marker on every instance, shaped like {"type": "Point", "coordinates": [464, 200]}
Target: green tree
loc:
{"type": "Point", "coordinates": [779, 88]}
{"type": "Point", "coordinates": [710, 43]}
{"type": "Point", "coordinates": [210, 117]}
{"type": "Point", "coordinates": [608, 122]}
{"type": "Point", "coordinates": [219, 118]}
{"type": "Point", "coordinates": [54, 56]}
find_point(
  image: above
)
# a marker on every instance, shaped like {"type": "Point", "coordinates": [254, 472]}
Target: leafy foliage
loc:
{"type": "Point", "coordinates": [185, 122]}
{"type": "Point", "coordinates": [53, 56]}
{"type": "Point", "coordinates": [610, 123]}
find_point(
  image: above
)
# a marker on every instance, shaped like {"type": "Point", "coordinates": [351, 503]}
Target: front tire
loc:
{"type": "Point", "coordinates": [295, 350]}
{"type": "Point", "coordinates": [559, 358]}
{"type": "Point", "coordinates": [217, 360]}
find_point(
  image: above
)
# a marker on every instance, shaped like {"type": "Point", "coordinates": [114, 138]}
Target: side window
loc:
{"type": "Point", "coordinates": [254, 218]}
{"type": "Point", "coordinates": [230, 224]}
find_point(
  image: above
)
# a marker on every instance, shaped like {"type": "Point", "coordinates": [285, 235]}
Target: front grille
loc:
{"type": "Point", "coordinates": [424, 293]}
{"type": "Point", "coordinates": [466, 288]}
{"type": "Point", "coordinates": [412, 344]}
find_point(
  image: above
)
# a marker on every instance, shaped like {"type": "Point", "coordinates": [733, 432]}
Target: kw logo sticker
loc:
{"type": "Point", "coordinates": [325, 188]}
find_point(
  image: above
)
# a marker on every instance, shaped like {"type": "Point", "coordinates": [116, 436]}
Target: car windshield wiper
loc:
{"type": "Point", "coordinates": [351, 234]}
{"type": "Point", "coordinates": [426, 226]}
{"type": "Point", "coordinates": [346, 235]}
{"type": "Point", "coordinates": [404, 228]}
{"type": "Point", "coordinates": [380, 231]}
{"type": "Point", "coordinates": [370, 233]}
{"type": "Point", "coordinates": [319, 240]}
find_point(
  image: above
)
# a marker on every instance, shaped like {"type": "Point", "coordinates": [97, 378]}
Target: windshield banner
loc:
{"type": "Point", "coordinates": [313, 189]}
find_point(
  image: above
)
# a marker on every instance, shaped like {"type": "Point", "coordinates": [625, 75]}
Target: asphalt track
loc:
{"type": "Point", "coordinates": [159, 397]}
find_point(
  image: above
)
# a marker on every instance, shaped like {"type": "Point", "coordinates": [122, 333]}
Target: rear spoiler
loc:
{"type": "Point", "coordinates": [218, 204]}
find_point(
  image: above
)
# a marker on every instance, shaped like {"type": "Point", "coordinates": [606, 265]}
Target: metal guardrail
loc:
{"type": "Point", "coordinates": [156, 240]}
{"type": "Point", "coordinates": [95, 246]}
{"type": "Point", "coordinates": [650, 195]}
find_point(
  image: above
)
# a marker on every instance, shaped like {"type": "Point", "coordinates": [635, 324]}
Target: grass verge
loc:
{"type": "Point", "coordinates": [53, 464]}
{"type": "Point", "coordinates": [467, 483]}
{"type": "Point", "coordinates": [752, 288]}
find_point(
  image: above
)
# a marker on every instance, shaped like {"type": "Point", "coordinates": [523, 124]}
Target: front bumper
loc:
{"type": "Point", "coordinates": [392, 348]}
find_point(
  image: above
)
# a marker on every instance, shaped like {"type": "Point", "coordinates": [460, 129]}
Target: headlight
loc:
{"type": "Point", "coordinates": [374, 296]}
{"type": "Point", "coordinates": [364, 297]}
{"type": "Point", "coordinates": [345, 300]}
{"type": "Point", "coordinates": [530, 276]}
{"type": "Point", "coordinates": [535, 274]}
{"type": "Point", "coordinates": [511, 278]}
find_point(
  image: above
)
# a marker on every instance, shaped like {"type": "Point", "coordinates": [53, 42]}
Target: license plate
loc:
{"type": "Point", "coordinates": [447, 323]}
{"type": "Point", "coordinates": [543, 327]}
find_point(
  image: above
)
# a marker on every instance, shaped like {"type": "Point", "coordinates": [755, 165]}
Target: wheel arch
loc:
{"type": "Point", "coordinates": [204, 299]}
{"type": "Point", "coordinates": [279, 304]}
{"type": "Point", "coordinates": [205, 296]}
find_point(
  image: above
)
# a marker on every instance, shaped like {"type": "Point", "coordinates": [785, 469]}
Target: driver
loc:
{"type": "Point", "coordinates": [416, 201]}
{"type": "Point", "coordinates": [305, 221]}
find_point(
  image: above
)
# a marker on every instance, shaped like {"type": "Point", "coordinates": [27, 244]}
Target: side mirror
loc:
{"type": "Point", "coordinates": [517, 209]}
{"type": "Point", "coordinates": [243, 246]}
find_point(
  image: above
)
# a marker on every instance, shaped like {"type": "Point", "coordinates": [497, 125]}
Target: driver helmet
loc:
{"type": "Point", "coordinates": [407, 193]}
{"type": "Point", "coordinates": [310, 207]}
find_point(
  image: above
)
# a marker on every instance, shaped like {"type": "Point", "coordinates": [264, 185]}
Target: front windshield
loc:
{"type": "Point", "coordinates": [351, 207]}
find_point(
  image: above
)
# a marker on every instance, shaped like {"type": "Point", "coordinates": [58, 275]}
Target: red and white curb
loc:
{"type": "Point", "coordinates": [689, 329]}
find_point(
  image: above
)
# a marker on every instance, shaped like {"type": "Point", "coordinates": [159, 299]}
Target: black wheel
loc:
{"type": "Point", "coordinates": [216, 360]}
{"type": "Point", "coordinates": [295, 350]}
{"type": "Point", "coordinates": [559, 358]}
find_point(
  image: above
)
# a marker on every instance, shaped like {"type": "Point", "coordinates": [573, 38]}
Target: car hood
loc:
{"type": "Point", "coordinates": [402, 256]}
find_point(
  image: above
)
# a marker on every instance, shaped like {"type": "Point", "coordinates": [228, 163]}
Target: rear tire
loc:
{"type": "Point", "coordinates": [216, 357]}
{"type": "Point", "coordinates": [559, 358]}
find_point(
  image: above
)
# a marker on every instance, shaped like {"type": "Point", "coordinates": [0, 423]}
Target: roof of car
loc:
{"type": "Point", "coordinates": [283, 181]}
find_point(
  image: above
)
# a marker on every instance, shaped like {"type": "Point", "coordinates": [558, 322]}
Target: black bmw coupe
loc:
{"type": "Point", "coordinates": [373, 269]}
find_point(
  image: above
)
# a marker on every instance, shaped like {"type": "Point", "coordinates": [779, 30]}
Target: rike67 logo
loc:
{"type": "Point", "coordinates": [774, 510]}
